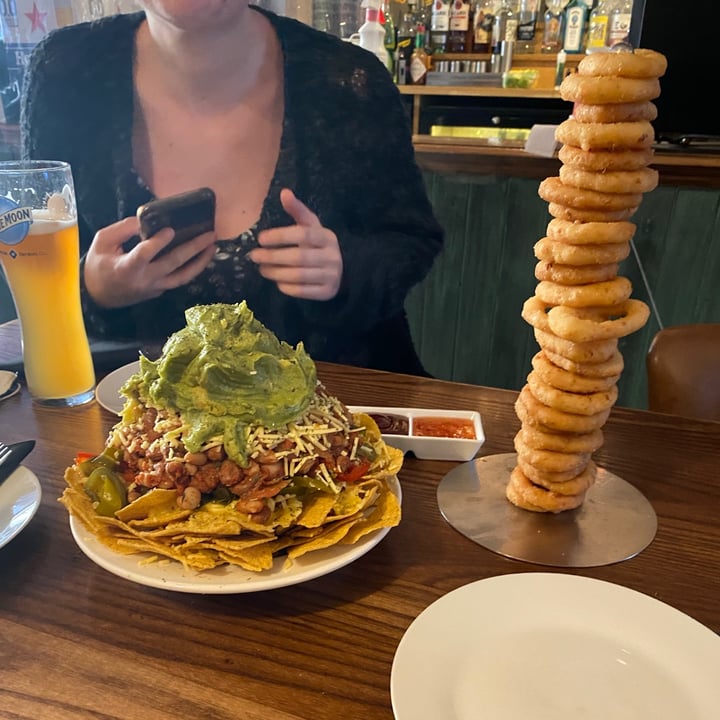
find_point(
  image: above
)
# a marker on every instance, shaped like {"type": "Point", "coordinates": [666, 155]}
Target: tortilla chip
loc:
{"type": "Point", "coordinates": [217, 534]}
{"type": "Point", "coordinates": [386, 513]}
{"type": "Point", "coordinates": [330, 536]}
{"type": "Point", "coordinates": [155, 504]}
{"type": "Point", "coordinates": [315, 510]}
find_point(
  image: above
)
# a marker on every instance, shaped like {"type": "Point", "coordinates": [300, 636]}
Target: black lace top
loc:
{"type": "Point", "coordinates": [346, 152]}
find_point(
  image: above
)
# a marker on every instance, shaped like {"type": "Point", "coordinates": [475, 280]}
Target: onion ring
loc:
{"type": "Point", "coordinates": [565, 380]}
{"type": "Point", "coordinates": [605, 160]}
{"type": "Point", "coordinates": [640, 63]}
{"type": "Point", "coordinates": [611, 367]}
{"type": "Point", "coordinates": [603, 90]}
{"type": "Point", "coordinates": [565, 466]}
{"type": "Point", "coordinates": [538, 439]}
{"type": "Point", "coordinates": [612, 181]}
{"type": "Point", "coordinates": [590, 323]}
{"type": "Point", "coordinates": [590, 233]}
{"type": "Point", "coordinates": [567, 254]}
{"type": "Point", "coordinates": [534, 312]}
{"type": "Point", "coordinates": [540, 414]}
{"type": "Point", "coordinates": [575, 274]}
{"type": "Point", "coordinates": [523, 494]}
{"type": "Point", "coordinates": [598, 294]}
{"type": "Point", "coordinates": [560, 483]}
{"type": "Point", "coordinates": [615, 112]}
{"type": "Point", "coordinates": [554, 190]}
{"type": "Point", "coordinates": [605, 136]}
{"type": "Point", "coordinates": [597, 351]}
{"type": "Point", "coordinates": [571, 402]}
{"type": "Point", "coordinates": [587, 216]}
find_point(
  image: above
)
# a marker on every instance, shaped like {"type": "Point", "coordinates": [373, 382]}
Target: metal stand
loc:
{"type": "Point", "coordinates": [614, 523]}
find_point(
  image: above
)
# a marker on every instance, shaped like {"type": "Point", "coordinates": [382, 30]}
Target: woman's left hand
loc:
{"type": "Point", "coordinates": [304, 259]}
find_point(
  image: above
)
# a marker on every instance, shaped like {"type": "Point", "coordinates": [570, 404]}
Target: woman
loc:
{"type": "Point", "coordinates": [322, 221]}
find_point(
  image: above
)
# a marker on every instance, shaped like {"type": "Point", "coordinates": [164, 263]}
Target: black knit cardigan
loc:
{"type": "Point", "coordinates": [346, 152]}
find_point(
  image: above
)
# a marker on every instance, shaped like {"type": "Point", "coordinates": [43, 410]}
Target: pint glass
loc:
{"type": "Point", "coordinates": [39, 254]}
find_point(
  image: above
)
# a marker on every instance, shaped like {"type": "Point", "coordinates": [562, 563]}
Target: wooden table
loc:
{"type": "Point", "coordinates": [78, 643]}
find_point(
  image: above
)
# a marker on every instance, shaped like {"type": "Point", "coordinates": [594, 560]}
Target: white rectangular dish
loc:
{"type": "Point", "coordinates": [423, 446]}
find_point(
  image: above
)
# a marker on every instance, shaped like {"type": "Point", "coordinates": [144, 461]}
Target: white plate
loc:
{"type": "Point", "coordinates": [171, 575]}
{"type": "Point", "coordinates": [552, 646]}
{"type": "Point", "coordinates": [107, 392]}
{"type": "Point", "coordinates": [20, 498]}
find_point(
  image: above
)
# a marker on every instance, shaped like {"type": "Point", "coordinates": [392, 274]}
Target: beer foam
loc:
{"type": "Point", "coordinates": [47, 221]}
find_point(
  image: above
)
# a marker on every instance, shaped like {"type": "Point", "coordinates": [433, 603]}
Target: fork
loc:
{"type": "Point", "coordinates": [4, 452]}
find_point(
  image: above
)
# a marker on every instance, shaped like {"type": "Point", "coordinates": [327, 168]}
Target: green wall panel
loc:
{"type": "Point", "coordinates": [465, 316]}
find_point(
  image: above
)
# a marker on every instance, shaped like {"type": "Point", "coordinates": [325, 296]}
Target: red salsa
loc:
{"type": "Point", "coordinates": [444, 427]}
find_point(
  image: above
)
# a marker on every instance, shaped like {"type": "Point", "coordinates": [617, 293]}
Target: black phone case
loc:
{"type": "Point", "coordinates": [190, 214]}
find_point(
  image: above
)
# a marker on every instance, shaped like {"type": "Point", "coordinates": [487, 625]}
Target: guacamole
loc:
{"type": "Point", "coordinates": [223, 371]}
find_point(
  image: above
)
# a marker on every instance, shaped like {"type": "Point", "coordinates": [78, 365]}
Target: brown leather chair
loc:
{"type": "Point", "coordinates": [683, 367]}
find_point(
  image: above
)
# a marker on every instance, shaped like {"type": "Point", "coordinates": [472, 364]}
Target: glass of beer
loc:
{"type": "Point", "coordinates": [40, 254]}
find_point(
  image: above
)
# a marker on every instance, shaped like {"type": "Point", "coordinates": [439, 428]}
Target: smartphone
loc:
{"type": "Point", "coordinates": [190, 214]}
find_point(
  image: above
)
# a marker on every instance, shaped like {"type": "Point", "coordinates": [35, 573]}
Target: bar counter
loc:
{"type": "Point", "coordinates": [676, 166]}
{"type": "Point", "coordinates": [79, 643]}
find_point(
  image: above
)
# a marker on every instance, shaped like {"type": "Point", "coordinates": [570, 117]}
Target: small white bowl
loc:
{"type": "Point", "coordinates": [430, 448]}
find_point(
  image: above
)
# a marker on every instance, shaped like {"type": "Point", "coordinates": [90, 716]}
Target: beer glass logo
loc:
{"type": "Point", "coordinates": [14, 221]}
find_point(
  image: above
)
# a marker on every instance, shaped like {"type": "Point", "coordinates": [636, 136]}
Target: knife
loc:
{"type": "Point", "coordinates": [18, 452]}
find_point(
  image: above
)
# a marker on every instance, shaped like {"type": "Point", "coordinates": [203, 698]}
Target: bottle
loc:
{"type": "Point", "coordinates": [470, 33]}
{"type": "Point", "coordinates": [483, 19]}
{"type": "Point", "coordinates": [419, 60]}
{"type": "Point", "coordinates": [439, 25]}
{"type": "Point", "coordinates": [386, 19]}
{"type": "Point", "coordinates": [504, 26]}
{"type": "Point", "coordinates": [553, 31]}
{"type": "Point", "coordinates": [619, 23]}
{"type": "Point", "coordinates": [527, 26]}
{"type": "Point", "coordinates": [372, 33]}
{"type": "Point", "coordinates": [598, 27]}
{"type": "Point", "coordinates": [458, 26]}
{"type": "Point", "coordinates": [407, 30]}
{"type": "Point", "coordinates": [575, 18]}
{"type": "Point", "coordinates": [424, 18]}
{"type": "Point", "coordinates": [560, 68]}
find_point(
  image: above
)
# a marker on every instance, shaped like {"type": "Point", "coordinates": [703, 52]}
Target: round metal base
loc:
{"type": "Point", "coordinates": [614, 523]}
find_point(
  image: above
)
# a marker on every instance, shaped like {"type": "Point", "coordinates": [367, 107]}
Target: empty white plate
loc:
{"type": "Point", "coordinates": [553, 646]}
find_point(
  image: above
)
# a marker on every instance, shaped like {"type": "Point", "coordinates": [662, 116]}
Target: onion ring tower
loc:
{"type": "Point", "coordinates": [581, 306]}
{"type": "Point", "coordinates": [548, 502]}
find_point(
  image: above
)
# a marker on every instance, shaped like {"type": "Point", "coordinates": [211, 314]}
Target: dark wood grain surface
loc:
{"type": "Point", "coordinates": [77, 642]}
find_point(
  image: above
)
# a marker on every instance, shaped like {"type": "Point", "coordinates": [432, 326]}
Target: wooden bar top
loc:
{"type": "Point", "coordinates": [676, 166]}
{"type": "Point", "coordinates": [79, 643]}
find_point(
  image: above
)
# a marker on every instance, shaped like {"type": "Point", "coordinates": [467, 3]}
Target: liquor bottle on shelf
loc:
{"type": "Point", "coordinates": [483, 19]}
{"type": "Point", "coordinates": [458, 26]}
{"type": "Point", "coordinates": [419, 60]}
{"type": "Point", "coordinates": [527, 26]}
{"type": "Point", "coordinates": [424, 18]}
{"type": "Point", "coordinates": [598, 27]}
{"type": "Point", "coordinates": [575, 21]}
{"type": "Point", "coordinates": [470, 33]}
{"type": "Point", "coordinates": [388, 24]}
{"type": "Point", "coordinates": [619, 23]}
{"type": "Point", "coordinates": [505, 26]}
{"type": "Point", "coordinates": [407, 30]}
{"type": "Point", "coordinates": [554, 23]}
{"type": "Point", "coordinates": [439, 25]}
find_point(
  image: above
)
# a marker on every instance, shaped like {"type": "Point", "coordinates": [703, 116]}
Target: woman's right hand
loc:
{"type": "Point", "coordinates": [115, 278]}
